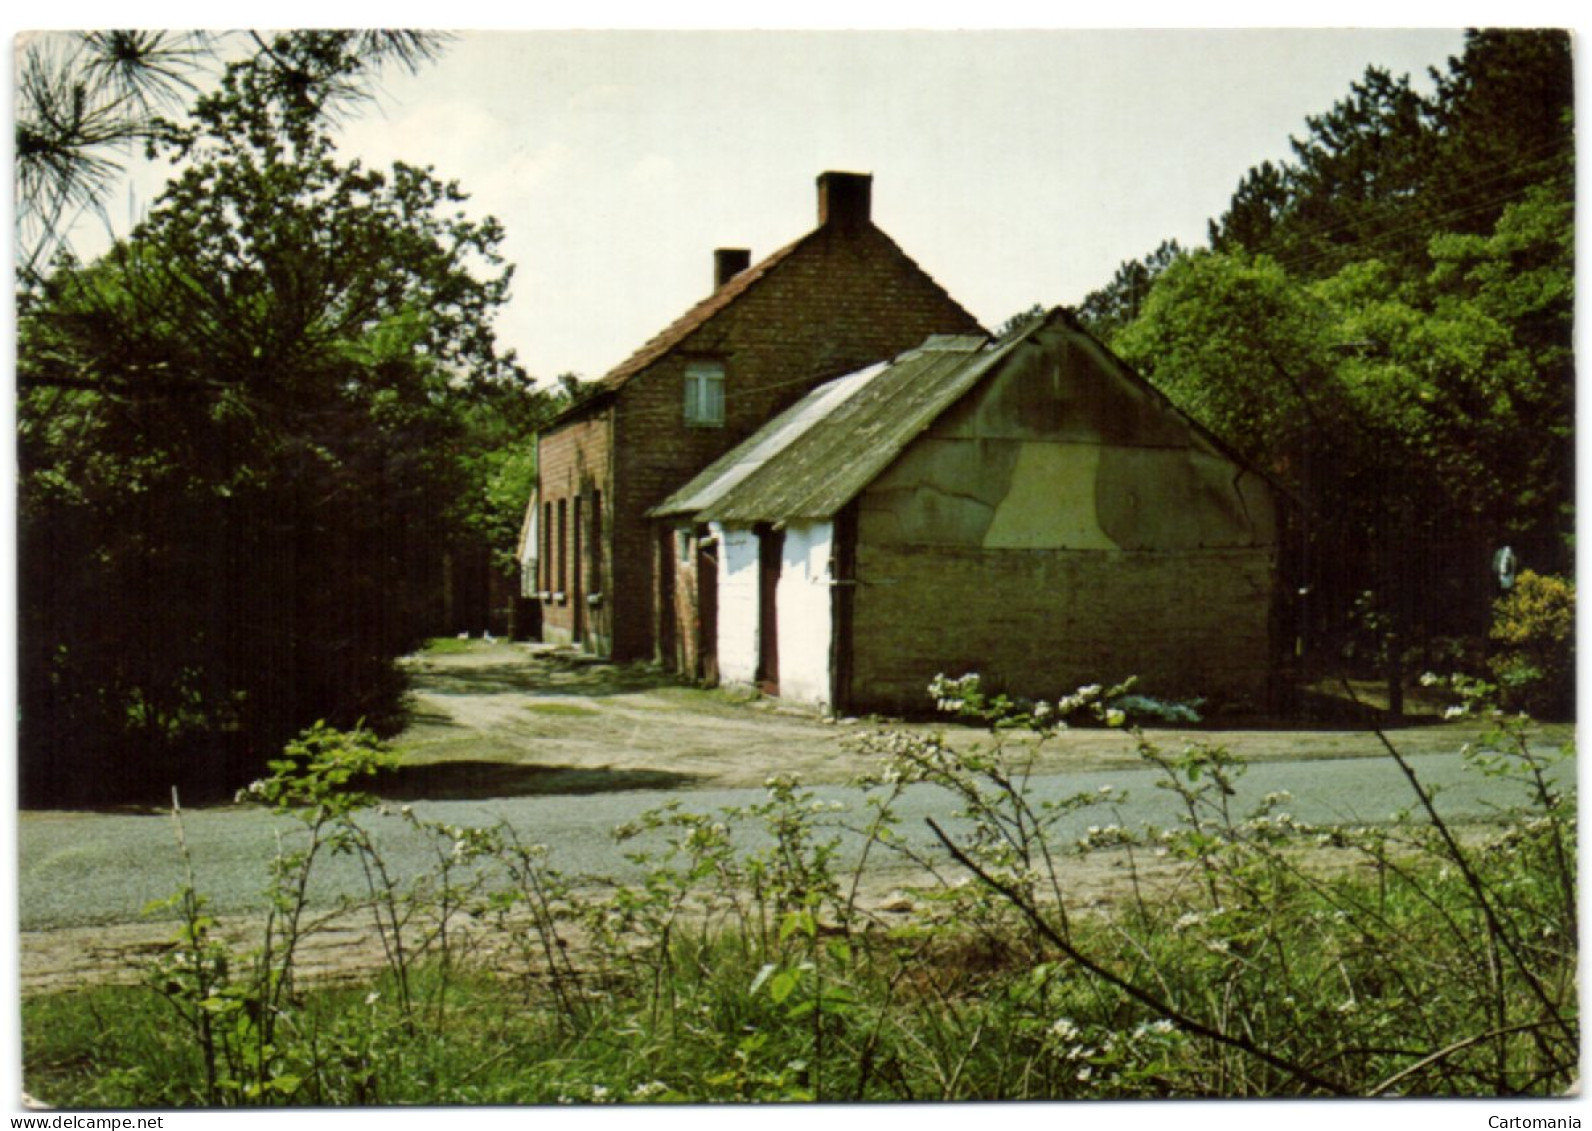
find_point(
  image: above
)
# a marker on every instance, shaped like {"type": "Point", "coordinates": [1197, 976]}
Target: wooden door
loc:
{"type": "Point", "coordinates": [770, 556]}
{"type": "Point", "coordinates": [707, 569]}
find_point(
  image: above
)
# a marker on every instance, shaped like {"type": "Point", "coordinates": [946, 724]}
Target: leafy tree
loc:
{"type": "Point", "coordinates": [1119, 302]}
{"type": "Point", "coordinates": [1384, 323]}
{"type": "Point", "coordinates": [1418, 425]}
{"type": "Point", "coordinates": [1247, 350]}
{"type": "Point", "coordinates": [1385, 169]}
{"type": "Point", "coordinates": [1353, 177]}
{"type": "Point", "coordinates": [240, 443]}
{"type": "Point", "coordinates": [1503, 120]}
{"type": "Point", "coordinates": [1258, 207]}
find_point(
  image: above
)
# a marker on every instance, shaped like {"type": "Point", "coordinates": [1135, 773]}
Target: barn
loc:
{"type": "Point", "coordinates": [1026, 508]}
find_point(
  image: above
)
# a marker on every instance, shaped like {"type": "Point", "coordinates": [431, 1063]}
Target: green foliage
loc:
{"type": "Point", "coordinates": [1533, 630]}
{"type": "Point", "coordinates": [87, 99]}
{"type": "Point", "coordinates": [1417, 424]}
{"type": "Point", "coordinates": [1383, 324]}
{"type": "Point", "coordinates": [1385, 169]}
{"type": "Point", "coordinates": [316, 769]}
{"type": "Point", "coordinates": [1120, 301]}
{"type": "Point", "coordinates": [1247, 954]}
{"type": "Point", "coordinates": [1345, 196]}
{"type": "Point", "coordinates": [242, 439]}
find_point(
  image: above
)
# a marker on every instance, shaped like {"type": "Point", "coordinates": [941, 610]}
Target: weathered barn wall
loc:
{"type": "Point", "coordinates": [1063, 525]}
{"type": "Point", "coordinates": [1059, 450]}
{"type": "Point", "coordinates": [738, 631]}
{"type": "Point", "coordinates": [806, 622]}
{"type": "Point", "coordinates": [1043, 623]}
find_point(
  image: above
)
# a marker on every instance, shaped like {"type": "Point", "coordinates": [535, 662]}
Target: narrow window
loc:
{"type": "Point", "coordinates": [704, 394]}
{"type": "Point", "coordinates": [563, 542]}
{"type": "Point", "coordinates": [577, 555]}
{"type": "Point", "coordinates": [596, 551]}
{"type": "Point", "coordinates": [547, 546]}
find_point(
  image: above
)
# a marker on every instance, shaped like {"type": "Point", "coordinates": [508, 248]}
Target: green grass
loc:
{"type": "Point", "coordinates": [446, 646]}
{"type": "Point", "coordinates": [740, 969]}
{"type": "Point", "coordinates": [562, 710]}
{"type": "Point", "coordinates": [953, 1004]}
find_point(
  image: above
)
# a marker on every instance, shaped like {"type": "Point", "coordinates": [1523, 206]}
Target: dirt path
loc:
{"type": "Point", "coordinates": [501, 719]}
{"type": "Point", "coordinates": [509, 719]}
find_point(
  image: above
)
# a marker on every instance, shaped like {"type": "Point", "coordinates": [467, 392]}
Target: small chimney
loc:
{"type": "Point", "coordinates": [844, 199]}
{"type": "Point", "coordinates": [729, 262]}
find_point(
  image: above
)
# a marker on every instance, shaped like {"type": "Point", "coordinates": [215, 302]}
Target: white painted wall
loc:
{"type": "Point", "coordinates": [806, 616]}
{"type": "Point", "coordinates": [737, 639]}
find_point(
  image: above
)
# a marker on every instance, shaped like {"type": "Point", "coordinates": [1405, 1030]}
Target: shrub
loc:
{"type": "Point", "coordinates": [1247, 954]}
{"type": "Point", "coordinates": [1534, 630]}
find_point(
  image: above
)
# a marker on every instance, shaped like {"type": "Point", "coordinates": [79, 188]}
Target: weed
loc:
{"type": "Point", "coordinates": [744, 965]}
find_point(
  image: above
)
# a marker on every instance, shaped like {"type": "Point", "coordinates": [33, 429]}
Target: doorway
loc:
{"type": "Point", "coordinates": [770, 558]}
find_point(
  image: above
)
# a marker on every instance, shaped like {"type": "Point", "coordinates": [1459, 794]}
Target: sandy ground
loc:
{"type": "Point", "coordinates": [498, 719]}
{"type": "Point", "coordinates": [507, 718]}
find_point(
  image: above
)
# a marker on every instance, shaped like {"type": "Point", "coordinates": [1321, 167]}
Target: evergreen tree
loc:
{"type": "Point", "coordinates": [242, 439]}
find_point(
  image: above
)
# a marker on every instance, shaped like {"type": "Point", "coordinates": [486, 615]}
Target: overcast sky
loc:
{"type": "Point", "coordinates": [1015, 166]}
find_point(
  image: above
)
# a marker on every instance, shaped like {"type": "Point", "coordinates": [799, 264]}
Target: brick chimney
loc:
{"type": "Point", "coordinates": [844, 199]}
{"type": "Point", "coordinates": [729, 262]}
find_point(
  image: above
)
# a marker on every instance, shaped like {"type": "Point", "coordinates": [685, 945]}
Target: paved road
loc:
{"type": "Point", "coordinates": [80, 869]}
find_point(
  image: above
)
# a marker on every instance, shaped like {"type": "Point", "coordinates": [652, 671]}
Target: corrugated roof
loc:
{"type": "Point", "coordinates": [733, 468]}
{"type": "Point", "coordinates": [812, 459]}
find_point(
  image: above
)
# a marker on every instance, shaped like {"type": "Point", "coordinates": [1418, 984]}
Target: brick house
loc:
{"type": "Point", "coordinates": [1029, 509]}
{"type": "Point", "coordinates": [840, 297]}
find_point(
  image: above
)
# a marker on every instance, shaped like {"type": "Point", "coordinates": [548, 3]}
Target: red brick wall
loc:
{"type": "Point", "coordinates": [575, 462]}
{"type": "Point", "coordinates": [845, 298]}
{"type": "Point", "coordinates": [1041, 623]}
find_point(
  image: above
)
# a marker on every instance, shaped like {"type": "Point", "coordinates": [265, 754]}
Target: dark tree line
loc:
{"type": "Point", "coordinates": [1384, 324]}
{"type": "Point", "coordinates": [246, 436]}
